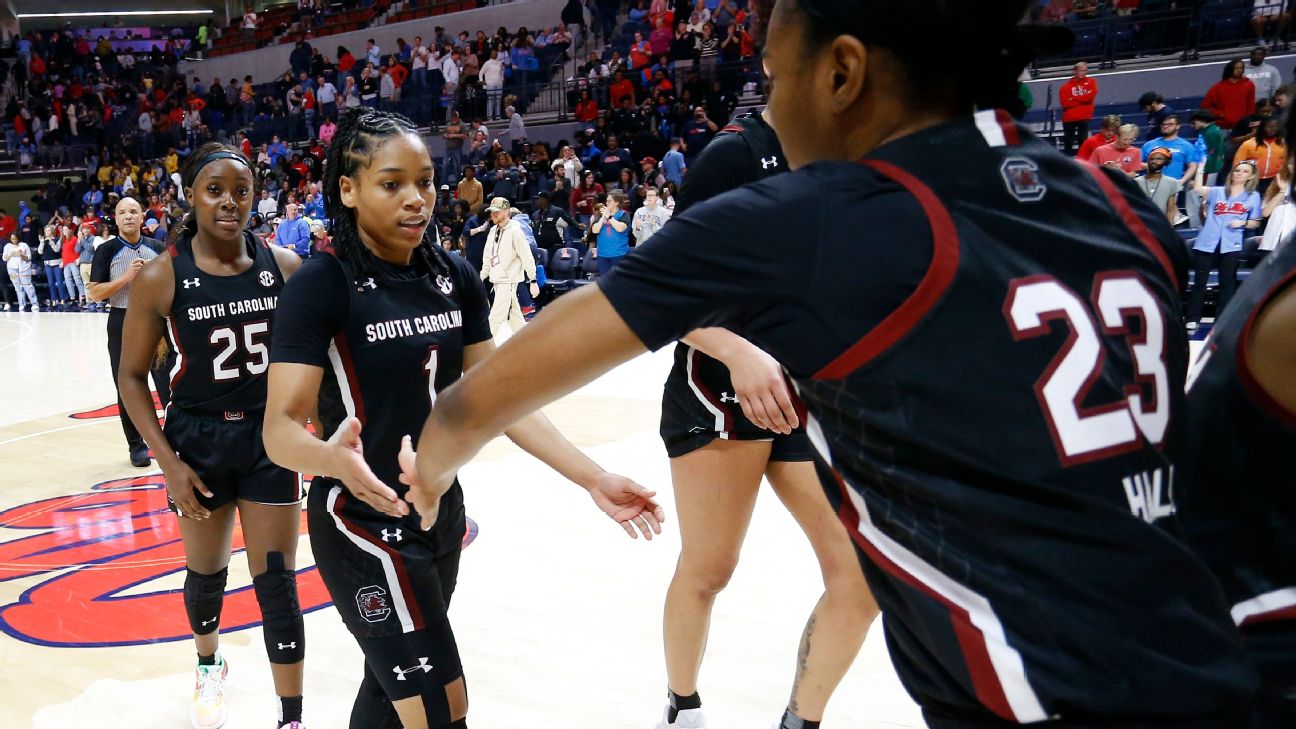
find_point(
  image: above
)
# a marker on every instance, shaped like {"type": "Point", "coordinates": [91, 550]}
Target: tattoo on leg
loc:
{"type": "Point", "coordinates": [803, 657]}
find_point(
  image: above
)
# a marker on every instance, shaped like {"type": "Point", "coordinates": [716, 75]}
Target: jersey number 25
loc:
{"type": "Point", "coordinates": [1080, 433]}
{"type": "Point", "coordinates": [252, 338]}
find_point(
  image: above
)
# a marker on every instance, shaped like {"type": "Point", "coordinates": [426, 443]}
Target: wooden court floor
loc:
{"type": "Point", "coordinates": [557, 613]}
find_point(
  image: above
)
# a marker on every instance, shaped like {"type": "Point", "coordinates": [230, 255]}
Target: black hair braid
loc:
{"type": "Point", "coordinates": [358, 135]}
{"type": "Point", "coordinates": [188, 226]}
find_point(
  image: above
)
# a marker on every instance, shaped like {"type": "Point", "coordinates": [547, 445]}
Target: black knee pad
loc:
{"type": "Point", "coordinates": [204, 595]}
{"type": "Point", "coordinates": [283, 629]}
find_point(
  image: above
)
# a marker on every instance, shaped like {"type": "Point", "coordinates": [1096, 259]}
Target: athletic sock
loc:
{"type": "Point", "coordinates": [289, 709]}
{"type": "Point", "coordinates": [682, 703]}
{"type": "Point", "coordinates": [207, 660]}
{"type": "Point", "coordinates": [792, 721]}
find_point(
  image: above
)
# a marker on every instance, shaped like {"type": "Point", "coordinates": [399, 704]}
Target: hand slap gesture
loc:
{"type": "Point", "coordinates": [426, 501]}
{"type": "Point", "coordinates": [628, 504]}
{"type": "Point", "coordinates": [351, 469]}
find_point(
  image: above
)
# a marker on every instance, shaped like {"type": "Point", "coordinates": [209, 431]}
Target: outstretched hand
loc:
{"type": "Point", "coordinates": [628, 504]}
{"type": "Point", "coordinates": [425, 500]}
{"type": "Point", "coordinates": [354, 473]}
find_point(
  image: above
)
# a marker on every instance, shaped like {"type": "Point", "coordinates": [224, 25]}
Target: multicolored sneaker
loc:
{"type": "Point", "coordinates": [208, 710]}
{"type": "Point", "coordinates": [686, 719]}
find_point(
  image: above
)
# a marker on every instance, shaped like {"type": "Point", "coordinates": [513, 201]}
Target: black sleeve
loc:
{"type": "Point", "coordinates": [101, 263]}
{"type": "Point", "coordinates": [723, 165]}
{"type": "Point", "coordinates": [313, 307]}
{"type": "Point", "coordinates": [717, 264]}
{"type": "Point", "coordinates": [476, 309]}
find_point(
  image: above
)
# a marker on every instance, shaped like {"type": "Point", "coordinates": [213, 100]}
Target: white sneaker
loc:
{"type": "Point", "coordinates": [208, 709]}
{"type": "Point", "coordinates": [686, 719]}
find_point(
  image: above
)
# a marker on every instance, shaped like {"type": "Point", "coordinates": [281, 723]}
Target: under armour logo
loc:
{"type": "Point", "coordinates": [422, 664]}
{"type": "Point", "coordinates": [267, 279]}
{"type": "Point", "coordinates": [286, 646]}
{"type": "Point", "coordinates": [445, 284]}
{"type": "Point", "coordinates": [192, 283]}
{"type": "Point", "coordinates": [388, 536]}
{"type": "Point", "coordinates": [697, 429]}
{"type": "Point", "coordinates": [726, 397]}
{"type": "Point", "coordinates": [368, 283]}
{"type": "Point", "coordinates": [769, 163]}
{"type": "Point", "coordinates": [205, 623]}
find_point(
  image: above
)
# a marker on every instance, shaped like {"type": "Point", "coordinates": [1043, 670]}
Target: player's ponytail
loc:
{"type": "Point", "coordinates": [358, 134]}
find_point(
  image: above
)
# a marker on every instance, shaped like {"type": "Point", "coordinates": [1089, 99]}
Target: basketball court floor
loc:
{"type": "Point", "coordinates": [557, 612]}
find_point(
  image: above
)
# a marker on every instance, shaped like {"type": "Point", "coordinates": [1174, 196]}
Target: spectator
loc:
{"type": "Point", "coordinates": [373, 54]}
{"type": "Point", "coordinates": [1266, 153]}
{"type": "Point", "coordinates": [586, 108]}
{"type": "Point", "coordinates": [650, 218]}
{"type": "Point", "coordinates": [1231, 210]}
{"type": "Point", "coordinates": [573, 16]}
{"type": "Point", "coordinates": [506, 178]}
{"type": "Point", "coordinates": [1157, 111]}
{"type": "Point", "coordinates": [551, 223]}
{"type": "Point", "coordinates": [613, 231]}
{"type": "Point", "coordinates": [1280, 214]}
{"type": "Point", "coordinates": [470, 190]}
{"type": "Point", "coordinates": [293, 232]}
{"type": "Point", "coordinates": [386, 89]}
{"type": "Point", "coordinates": [1233, 97]}
{"type": "Point", "coordinates": [85, 245]}
{"type": "Point", "coordinates": [267, 206]}
{"type": "Point", "coordinates": [420, 59]}
{"type": "Point", "coordinates": [1161, 188]}
{"type": "Point", "coordinates": [1270, 15]}
{"type": "Point", "coordinates": [570, 166]}
{"type": "Point", "coordinates": [1266, 78]}
{"type": "Point", "coordinates": [17, 257]}
{"type": "Point", "coordinates": [369, 84]}
{"type": "Point", "coordinates": [450, 73]}
{"type": "Point", "coordinates": [1077, 96]}
{"type": "Point", "coordinates": [1210, 154]}
{"type": "Point", "coordinates": [621, 89]}
{"type": "Point", "coordinates": [614, 160]}
{"type": "Point", "coordinates": [398, 76]}
{"type": "Point", "coordinates": [697, 134]}
{"type": "Point", "coordinates": [584, 196]}
{"type": "Point", "coordinates": [516, 129]}
{"type": "Point", "coordinates": [673, 166]}
{"type": "Point", "coordinates": [1182, 165]}
{"type": "Point", "coordinates": [1121, 153]}
{"type": "Point", "coordinates": [327, 130]}
{"type": "Point", "coordinates": [1106, 135]}
{"type": "Point", "coordinates": [50, 251]}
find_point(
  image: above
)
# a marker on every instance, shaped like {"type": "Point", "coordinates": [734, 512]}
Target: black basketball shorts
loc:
{"type": "Point", "coordinates": [392, 585]}
{"type": "Point", "coordinates": [227, 454]}
{"type": "Point", "coordinates": [699, 405]}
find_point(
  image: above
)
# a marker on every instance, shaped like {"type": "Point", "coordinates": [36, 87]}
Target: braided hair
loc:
{"type": "Point", "coordinates": [359, 134]}
{"type": "Point", "coordinates": [200, 157]}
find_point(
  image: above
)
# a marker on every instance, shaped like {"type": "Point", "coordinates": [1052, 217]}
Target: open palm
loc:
{"type": "Point", "coordinates": [628, 504]}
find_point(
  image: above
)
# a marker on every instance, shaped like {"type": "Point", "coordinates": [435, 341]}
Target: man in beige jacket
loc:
{"type": "Point", "coordinates": [506, 262]}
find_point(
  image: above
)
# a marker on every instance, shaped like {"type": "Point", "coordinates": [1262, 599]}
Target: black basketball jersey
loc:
{"type": "Point", "coordinates": [1003, 440]}
{"type": "Point", "coordinates": [389, 342]}
{"type": "Point", "coordinates": [699, 393]}
{"type": "Point", "coordinates": [1240, 508]}
{"type": "Point", "coordinates": [221, 328]}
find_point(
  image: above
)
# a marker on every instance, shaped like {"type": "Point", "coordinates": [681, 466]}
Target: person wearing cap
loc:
{"type": "Point", "coordinates": [507, 261]}
{"type": "Point", "coordinates": [1161, 189]}
{"type": "Point", "coordinates": [650, 174]}
{"type": "Point", "coordinates": [650, 217]}
{"type": "Point", "coordinates": [469, 189]}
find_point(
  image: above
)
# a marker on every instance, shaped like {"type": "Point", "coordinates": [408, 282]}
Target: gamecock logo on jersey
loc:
{"type": "Point", "coordinates": [1023, 180]}
{"type": "Point", "coordinates": [102, 550]}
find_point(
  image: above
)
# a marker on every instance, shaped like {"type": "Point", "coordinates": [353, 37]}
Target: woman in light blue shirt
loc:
{"type": "Point", "coordinates": [612, 227]}
{"type": "Point", "coordinates": [1230, 212]}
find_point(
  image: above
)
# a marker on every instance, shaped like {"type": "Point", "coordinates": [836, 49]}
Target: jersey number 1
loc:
{"type": "Point", "coordinates": [1082, 433]}
{"type": "Point", "coordinates": [258, 352]}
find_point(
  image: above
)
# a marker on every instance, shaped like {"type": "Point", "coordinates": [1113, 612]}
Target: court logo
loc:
{"type": "Point", "coordinates": [267, 279]}
{"type": "Point", "coordinates": [1022, 178]}
{"type": "Point", "coordinates": [445, 284]}
{"type": "Point", "coordinates": [422, 665]}
{"type": "Point", "coordinates": [97, 559]}
{"type": "Point", "coordinates": [372, 603]}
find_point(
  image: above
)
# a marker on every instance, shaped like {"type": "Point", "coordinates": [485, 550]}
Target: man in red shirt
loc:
{"type": "Point", "coordinates": [398, 74]}
{"type": "Point", "coordinates": [1106, 135]}
{"type": "Point", "coordinates": [1077, 96]}
{"type": "Point", "coordinates": [1121, 153]}
{"type": "Point", "coordinates": [7, 225]}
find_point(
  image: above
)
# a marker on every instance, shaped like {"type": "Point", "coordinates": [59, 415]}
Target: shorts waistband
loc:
{"type": "Point", "coordinates": [229, 416]}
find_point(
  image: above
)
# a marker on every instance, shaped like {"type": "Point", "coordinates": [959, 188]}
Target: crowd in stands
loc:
{"type": "Point", "coordinates": [1219, 171]}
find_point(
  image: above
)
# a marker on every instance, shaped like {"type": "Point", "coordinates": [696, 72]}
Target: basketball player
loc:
{"type": "Point", "coordinates": [723, 433]}
{"type": "Point", "coordinates": [991, 364]}
{"type": "Point", "coordinates": [216, 291]}
{"type": "Point", "coordinates": [113, 270]}
{"type": "Point", "coordinates": [1241, 502]}
{"type": "Point", "coordinates": [394, 319]}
